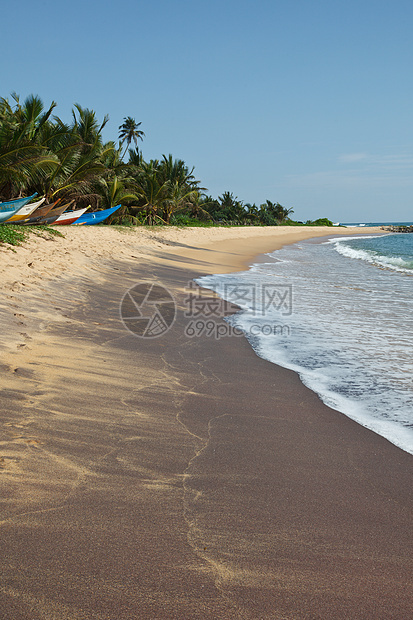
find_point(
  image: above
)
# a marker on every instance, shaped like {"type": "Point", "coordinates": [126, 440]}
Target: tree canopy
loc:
{"type": "Point", "coordinates": [39, 152]}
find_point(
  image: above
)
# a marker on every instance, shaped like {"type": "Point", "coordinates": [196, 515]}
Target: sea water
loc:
{"type": "Point", "coordinates": [339, 313]}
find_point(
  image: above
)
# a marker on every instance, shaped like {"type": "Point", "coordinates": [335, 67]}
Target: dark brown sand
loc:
{"type": "Point", "coordinates": [187, 478]}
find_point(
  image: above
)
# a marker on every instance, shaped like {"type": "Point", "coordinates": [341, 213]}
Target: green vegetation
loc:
{"type": "Point", "coordinates": [322, 221]}
{"type": "Point", "coordinates": [41, 153]}
{"type": "Point", "coordinates": [13, 234]}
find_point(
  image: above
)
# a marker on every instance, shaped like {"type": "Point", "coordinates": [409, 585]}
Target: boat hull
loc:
{"type": "Point", "coordinates": [11, 207]}
{"type": "Point", "coordinates": [69, 217]}
{"type": "Point", "coordinates": [49, 218]}
{"type": "Point", "coordinates": [39, 214]}
{"type": "Point", "coordinates": [26, 211]}
{"type": "Point", "coordinates": [89, 219]}
{"type": "Point", "coordinates": [16, 203]}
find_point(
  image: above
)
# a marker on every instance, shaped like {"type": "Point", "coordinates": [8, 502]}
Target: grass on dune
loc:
{"type": "Point", "coordinates": [12, 234]}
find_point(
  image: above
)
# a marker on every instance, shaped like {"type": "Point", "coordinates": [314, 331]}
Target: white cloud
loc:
{"type": "Point", "coordinates": [352, 157]}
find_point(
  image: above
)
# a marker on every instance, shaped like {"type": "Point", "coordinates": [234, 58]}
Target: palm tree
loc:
{"type": "Point", "coordinates": [232, 208]}
{"type": "Point", "coordinates": [113, 193]}
{"type": "Point", "coordinates": [30, 115]}
{"type": "Point", "coordinates": [199, 205]}
{"type": "Point", "coordinates": [273, 214]}
{"type": "Point", "coordinates": [23, 158]}
{"type": "Point", "coordinates": [135, 158]}
{"type": "Point", "coordinates": [252, 214]}
{"type": "Point", "coordinates": [179, 197]}
{"type": "Point", "coordinates": [176, 171]}
{"type": "Point", "coordinates": [282, 213]}
{"type": "Point", "coordinates": [81, 155]}
{"type": "Point", "coordinates": [152, 190]}
{"type": "Point", "coordinates": [129, 132]}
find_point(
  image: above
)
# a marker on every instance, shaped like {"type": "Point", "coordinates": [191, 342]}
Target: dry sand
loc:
{"type": "Point", "coordinates": [178, 477]}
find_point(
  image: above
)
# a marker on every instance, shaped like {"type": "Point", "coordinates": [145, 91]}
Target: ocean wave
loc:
{"type": "Point", "coordinates": [348, 335]}
{"type": "Point", "coordinates": [396, 263]}
{"type": "Point", "coordinates": [342, 382]}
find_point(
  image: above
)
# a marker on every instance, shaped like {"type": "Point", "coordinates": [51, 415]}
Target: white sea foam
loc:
{"type": "Point", "coordinates": [388, 262]}
{"type": "Point", "coordinates": [349, 333]}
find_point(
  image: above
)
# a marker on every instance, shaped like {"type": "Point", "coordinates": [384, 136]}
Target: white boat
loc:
{"type": "Point", "coordinates": [70, 216]}
{"type": "Point", "coordinates": [25, 211]}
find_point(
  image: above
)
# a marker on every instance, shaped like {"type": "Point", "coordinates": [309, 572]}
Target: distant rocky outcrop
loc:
{"type": "Point", "coordinates": [399, 229]}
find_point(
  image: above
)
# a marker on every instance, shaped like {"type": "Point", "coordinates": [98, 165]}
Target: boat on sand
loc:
{"type": "Point", "coordinates": [39, 213]}
{"type": "Point", "coordinates": [69, 217]}
{"type": "Point", "coordinates": [11, 207]}
{"type": "Point", "coordinates": [97, 217]}
{"type": "Point", "coordinates": [25, 211]}
{"type": "Point", "coordinates": [50, 217]}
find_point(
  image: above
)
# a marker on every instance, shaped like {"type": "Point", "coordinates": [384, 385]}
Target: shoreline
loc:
{"type": "Point", "coordinates": [391, 430]}
{"type": "Point", "coordinates": [180, 477]}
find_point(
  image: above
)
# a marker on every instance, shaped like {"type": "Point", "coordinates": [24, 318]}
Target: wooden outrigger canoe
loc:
{"type": "Point", "coordinates": [26, 211]}
{"type": "Point", "coordinates": [39, 214]}
{"type": "Point", "coordinates": [51, 216]}
{"type": "Point", "coordinates": [69, 217]}
{"type": "Point", "coordinates": [11, 207]}
{"type": "Point", "coordinates": [16, 203]}
{"type": "Point", "coordinates": [96, 217]}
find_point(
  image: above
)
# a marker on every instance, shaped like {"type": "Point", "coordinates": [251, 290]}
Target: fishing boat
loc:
{"type": "Point", "coordinates": [16, 203]}
{"type": "Point", "coordinates": [10, 207]}
{"type": "Point", "coordinates": [25, 211]}
{"type": "Point", "coordinates": [49, 218]}
{"type": "Point", "coordinates": [69, 217]}
{"type": "Point", "coordinates": [97, 217]}
{"type": "Point", "coordinates": [39, 214]}
{"type": "Point", "coordinates": [52, 216]}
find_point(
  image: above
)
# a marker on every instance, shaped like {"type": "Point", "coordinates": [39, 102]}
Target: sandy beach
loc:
{"type": "Point", "coordinates": [179, 477]}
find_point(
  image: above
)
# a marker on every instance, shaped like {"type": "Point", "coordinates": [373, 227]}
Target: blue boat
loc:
{"type": "Point", "coordinates": [10, 207]}
{"type": "Point", "coordinates": [95, 218]}
{"type": "Point", "coordinates": [16, 203]}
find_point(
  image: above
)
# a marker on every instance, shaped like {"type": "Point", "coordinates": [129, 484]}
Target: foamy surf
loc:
{"type": "Point", "coordinates": [350, 248]}
{"type": "Point", "coordinates": [349, 332]}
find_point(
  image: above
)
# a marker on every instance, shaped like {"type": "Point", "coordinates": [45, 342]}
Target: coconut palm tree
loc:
{"type": "Point", "coordinates": [115, 192]}
{"type": "Point", "coordinates": [129, 132]}
{"type": "Point", "coordinates": [87, 128]}
{"type": "Point", "coordinates": [198, 207]}
{"type": "Point", "coordinates": [135, 158]}
{"type": "Point", "coordinates": [176, 171]}
{"type": "Point", "coordinates": [80, 153]}
{"type": "Point", "coordinates": [282, 213]}
{"type": "Point", "coordinates": [23, 158]}
{"type": "Point", "coordinates": [273, 214]}
{"type": "Point", "coordinates": [252, 214]}
{"type": "Point", "coordinates": [152, 190]}
{"type": "Point", "coordinates": [179, 197]}
{"type": "Point", "coordinates": [232, 208]}
{"type": "Point", "coordinates": [184, 189]}
{"type": "Point", "coordinates": [31, 116]}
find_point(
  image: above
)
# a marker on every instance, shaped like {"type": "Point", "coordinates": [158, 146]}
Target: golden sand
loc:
{"type": "Point", "coordinates": [178, 478]}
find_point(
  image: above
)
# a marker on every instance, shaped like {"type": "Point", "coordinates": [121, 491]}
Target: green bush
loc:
{"type": "Point", "coordinates": [13, 234]}
{"type": "Point", "coordinates": [322, 221]}
{"type": "Point", "coordinates": [182, 219]}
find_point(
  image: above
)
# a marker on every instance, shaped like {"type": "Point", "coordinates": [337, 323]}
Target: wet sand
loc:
{"type": "Point", "coordinates": [181, 477]}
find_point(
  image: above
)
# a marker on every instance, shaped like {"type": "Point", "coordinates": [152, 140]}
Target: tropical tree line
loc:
{"type": "Point", "coordinates": [70, 161]}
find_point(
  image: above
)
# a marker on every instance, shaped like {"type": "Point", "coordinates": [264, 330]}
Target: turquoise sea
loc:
{"type": "Point", "coordinates": [339, 312]}
{"type": "Point", "coordinates": [367, 224]}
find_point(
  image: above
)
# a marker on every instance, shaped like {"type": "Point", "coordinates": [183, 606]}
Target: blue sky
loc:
{"type": "Point", "coordinates": [304, 102]}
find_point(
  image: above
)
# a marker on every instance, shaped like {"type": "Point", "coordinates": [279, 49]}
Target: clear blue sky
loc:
{"type": "Point", "coordinates": [304, 102]}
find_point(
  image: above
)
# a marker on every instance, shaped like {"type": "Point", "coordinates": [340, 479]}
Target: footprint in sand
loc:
{"type": "Point", "coordinates": [25, 336]}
